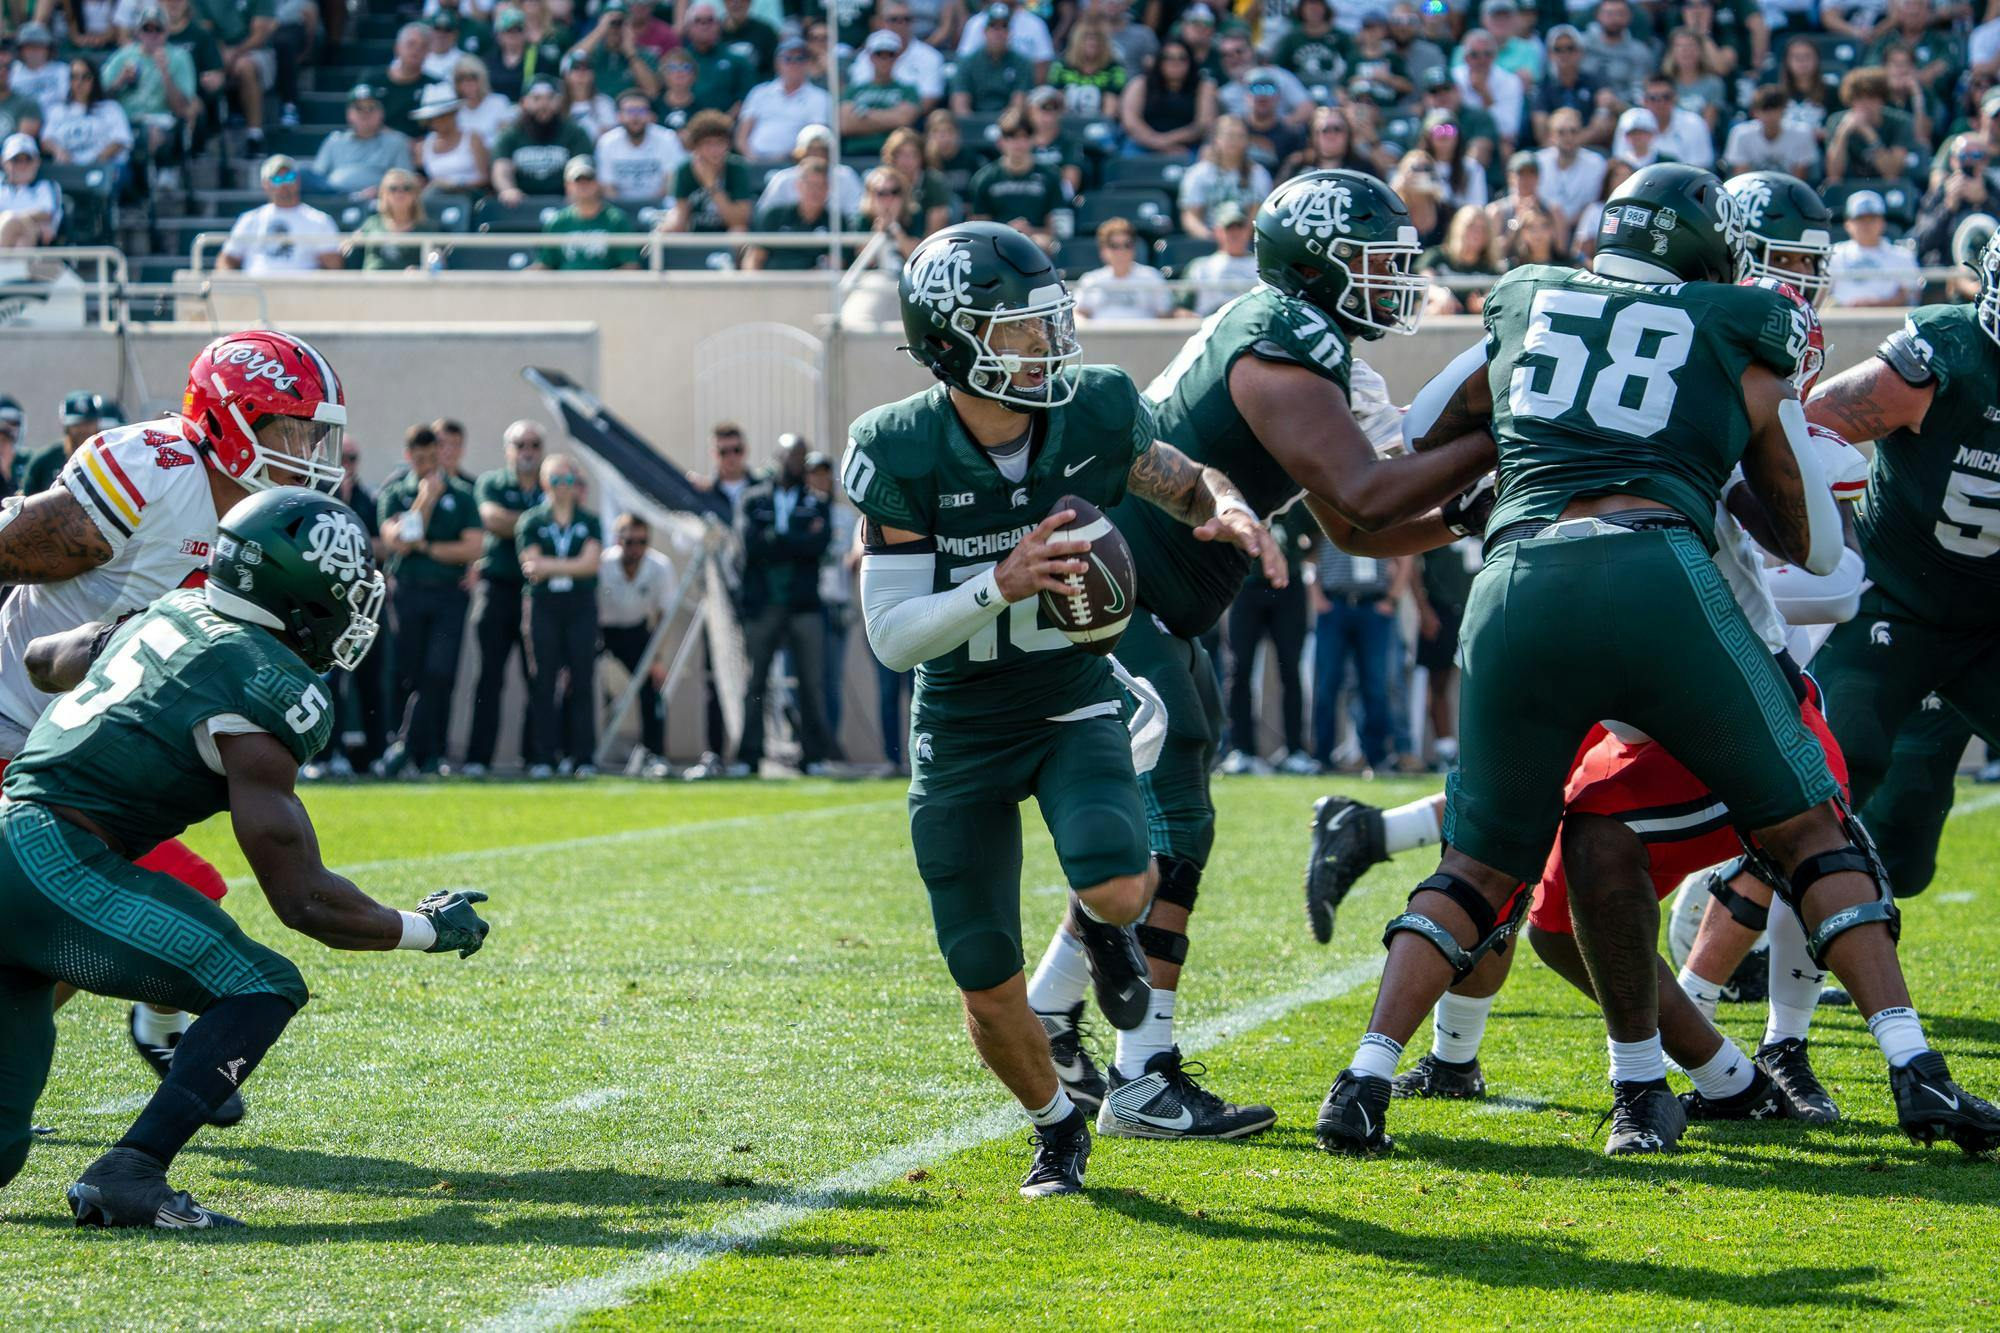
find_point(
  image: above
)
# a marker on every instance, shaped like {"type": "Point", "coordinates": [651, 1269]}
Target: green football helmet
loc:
{"type": "Point", "coordinates": [1677, 218]}
{"type": "Point", "coordinates": [986, 311]}
{"type": "Point", "coordinates": [1988, 302]}
{"type": "Point", "coordinates": [1343, 242]}
{"type": "Point", "coordinates": [1782, 215]}
{"type": "Point", "coordinates": [298, 563]}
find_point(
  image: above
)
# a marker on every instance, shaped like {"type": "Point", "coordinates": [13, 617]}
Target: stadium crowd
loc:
{"type": "Point", "coordinates": [1132, 140]}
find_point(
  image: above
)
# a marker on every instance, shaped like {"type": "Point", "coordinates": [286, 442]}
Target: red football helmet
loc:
{"type": "Point", "coordinates": [1813, 359]}
{"type": "Point", "coordinates": [240, 382]}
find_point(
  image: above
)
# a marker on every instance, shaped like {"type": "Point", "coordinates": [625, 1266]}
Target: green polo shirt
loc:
{"type": "Point", "coordinates": [539, 529]}
{"type": "Point", "coordinates": [455, 512]}
{"type": "Point", "coordinates": [500, 563]}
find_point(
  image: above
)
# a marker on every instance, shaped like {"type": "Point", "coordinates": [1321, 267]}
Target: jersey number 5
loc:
{"type": "Point", "coordinates": [114, 679]}
{"type": "Point", "coordinates": [1606, 402]}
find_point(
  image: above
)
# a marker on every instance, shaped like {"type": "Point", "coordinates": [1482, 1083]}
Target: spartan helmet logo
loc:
{"type": "Point", "coordinates": [337, 547]}
{"type": "Point", "coordinates": [939, 277]}
{"type": "Point", "coordinates": [1752, 200]}
{"type": "Point", "coordinates": [1319, 210]}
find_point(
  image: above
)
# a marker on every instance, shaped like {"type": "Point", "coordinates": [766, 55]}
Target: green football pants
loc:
{"type": "Point", "coordinates": [1180, 816]}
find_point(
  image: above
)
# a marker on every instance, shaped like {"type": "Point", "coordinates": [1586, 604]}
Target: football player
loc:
{"type": "Point", "coordinates": [1600, 599]}
{"type": "Point", "coordinates": [207, 701]}
{"type": "Point", "coordinates": [131, 518]}
{"type": "Point", "coordinates": [1261, 391]}
{"type": "Point", "coordinates": [1788, 231]}
{"type": "Point", "coordinates": [956, 487]}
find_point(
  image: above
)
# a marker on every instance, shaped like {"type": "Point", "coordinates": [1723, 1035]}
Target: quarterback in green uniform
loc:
{"type": "Point", "coordinates": [1261, 392]}
{"type": "Point", "coordinates": [955, 486]}
{"type": "Point", "coordinates": [1621, 399]}
{"type": "Point", "coordinates": [209, 700]}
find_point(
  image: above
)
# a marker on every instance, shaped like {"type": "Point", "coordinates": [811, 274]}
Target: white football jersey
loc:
{"type": "Point", "coordinates": [1743, 562]}
{"type": "Point", "coordinates": [145, 486]}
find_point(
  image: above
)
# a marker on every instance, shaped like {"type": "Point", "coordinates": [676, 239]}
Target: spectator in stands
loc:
{"type": "Point", "coordinates": [1240, 69]}
{"type": "Point", "coordinates": [90, 128]}
{"type": "Point", "coordinates": [945, 150]}
{"type": "Point", "coordinates": [635, 585]}
{"type": "Point", "coordinates": [807, 214]}
{"type": "Point", "coordinates": [1329, 145]}
{"type": "Point", "coordinates": [1808, 100]}
{"type": "Point", "coordinates": [1226, 174]}
{"type": "Point", "coordinates": [815, 143]}
{"type": "Point", "coordinates": [503, 496]}
{"type": "Point", "coordinates": [1197, 29]}
{"type": "Point", "coordinates": [515, 60]}
{"type": "Point", "coordinates": [1483, 84]}
{"type": "Point", "coordinates": [991, 76]}
{"type": "Point", "coordinates": [1869, 138]}
{"type": "Point", "coordinates": [441, 51]}
{"type": "Point", "coordinates": [1122, 287]}
{"type": "Point", "coordinates": [677, 104]}
{"type": "Point", "coordinates": [784, 529]}
{"type": "Point", "coordinates": [583, 103]}
{"type": "Point", "coordinates": [402, 83]}
{"type": "Point", "coordinates": [1271, 135]}
{"type": "Point", "coordinates": [918, 64]}
{"type": "Point", "coordinates": [722, 76]}
{"type": "Point", "coordinates": [1961, 192]}
{"type": "Point", "coordinates": [1519, 51]}
{"type": "Point", "coordinates": [429, 524]}
{"type": "Point", "coordinates": [481, 110]}
{"type": "Point", "coordinates": [1766, 142]}
{"type": "Point", "coordinates": [1055, 145]}
{"type": "Point", "coordinates": [872, 107]}
{"type": "Point", "coordinates": [1416, 182]}
{"type": "Point", "coordinates": [398, 208]}
{"type": "Point", "coordinates": [1089, 75]}
{"type": "Point", "coordinates": [1697, 82]}
{"type": "Point", "coordinates": [1231, 269]}
{"type": "Point", "coordinates": [1583, 236]}
{"type": "Point", "coordinates": [1572, 176]}
{"type": "Point", "coordinates": [36, 72]}
{"type": "Point", "coordinates": [637, 158]}
{"type": "Point", "coordinates": [1423, 42]}
{"type": "Point", "coordinates": [1524, 186]}
{"type": "Point", "coordinates": [1168, 110]}
{"type": "Point", "coordinates": [775, 112]}
{"type": "Point", "coordinates": [1459, 171]}
{"type": "Point", "coordinates": [250, 59]}
{"type": "Point", "coordinates": [561, 547]}
{"type": "Point", "coordinates": [743, 31]}
{"type": "Point", "coordinates": [932, 200]}
{"type": "Point", "coordinates": [1938, 50]}
{"type": "Point", "coordinates": [613, 53]}
{"type": "Point", "coordinates": [1479, 137]}
{"type": "Point", "coordinates": [1027, 35]}
{"type": "Point", "coordinates": [1469, 250]}
{"type": "Point", "coordinates": [1311, 47]}
{"type": "Point", "coordinates": [1614, 56]}
{"type": "Point", "coordinates": [1866, 269]}
{"type": "Point", "coordinates": [885, 208]}
{"type": "Point", "coordinates": [1907, 94]}
{"type": "Point", "coordinates": [452, 157]}
{"type": "Point", "coordinates": [1377, 71]}
{"type": "Point", "coordinates": [585, 222]}
{"type": "Point", "coordinates": [1354, 604]}
{"type": "Point", "coordinates": [153, 81]}
{"type": "Point", "coordinates": [19, 112]}
{"type": "Point", "coordinates": [284, 235]}
{"type": "Point", "coordinates": [1534, 236]}
{"type": "Point", "coordinates": [351, 161]}
{"type": "Point", "coordinates": [1683, 135]}
{"type": "Point", "coordinates": [529, 156]}
{"type": "Point", "coordinates": [712, 188]}
{"type": "Point", "coordinates": [1638, 138]}
{"type": "Point", "coordinates": [1568, 87]}
{"type": "Point", "coordinates": [1015, 190]}
{"type": "Point", "coordinates": [1134, 44]}
{"type": "Point", "coordinates": [30, 209]}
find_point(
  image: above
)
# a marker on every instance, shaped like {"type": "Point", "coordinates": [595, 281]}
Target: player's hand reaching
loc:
{"type": "Point", "coordinates": [1038, 563]}
{"type": "Point", "coordinates": [1237, 526]}
{"type": "Point", "coordinates": [457, 925]}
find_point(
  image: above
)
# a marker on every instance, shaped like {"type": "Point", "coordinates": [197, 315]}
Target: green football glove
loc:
{"type": "Point", "coordinates": [457, 925]}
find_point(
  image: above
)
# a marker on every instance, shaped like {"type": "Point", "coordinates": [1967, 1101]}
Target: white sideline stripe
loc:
{"type": "Point", "coordinates": [1509, 1105]}
{"type": "Point", "coordinates": [120, 1105]}
{"type": "Point", "coordinates": [682, 1254]}
{"type": "Point", "coordinates": [590, 1101]}
{"type": "Point", "coordinates": [593, 840]}
{"type": "Point", "coordinates": [1959, 897]}
{"type": "Point", "coordinates": [1975, 805]}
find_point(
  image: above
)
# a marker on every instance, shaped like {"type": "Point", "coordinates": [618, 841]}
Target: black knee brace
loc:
{"type": "Point", "coordinates": [1169, 946]}
{"type": "Point", "coordinates": [1492, 932]}
{"type": "Point", "coordinates": [1749, 915]}
{"type": "Point", "coordinates": [1859, 856]}
{"type": "Point", "coordinates": [1180, 882]}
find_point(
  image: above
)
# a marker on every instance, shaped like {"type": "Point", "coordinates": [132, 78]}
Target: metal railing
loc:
{"type": "Point", "coordinates": [653, 245]}
{"type": "Point", "coordinates": [113, 274]}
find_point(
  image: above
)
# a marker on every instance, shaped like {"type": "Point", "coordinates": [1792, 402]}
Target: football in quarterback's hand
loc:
{"type": "Point", "coordinates": [1099, 604]}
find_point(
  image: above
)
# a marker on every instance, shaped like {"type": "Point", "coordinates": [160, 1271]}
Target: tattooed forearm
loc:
{"type": "Point", "coordinates": [1851, 406]}
{"type": "Point", "coordinates": [1461, 416]}
{"type": "Point", "coordinates": [49, 540]}
{"type": "Point", "coordinates": [1176, 483]}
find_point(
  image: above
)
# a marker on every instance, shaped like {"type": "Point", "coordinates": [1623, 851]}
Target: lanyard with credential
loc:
{"type": "Point", "coordinates": [562, 537]}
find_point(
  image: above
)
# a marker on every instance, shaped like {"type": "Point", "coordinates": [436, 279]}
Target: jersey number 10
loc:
{"type": "Point", "coordinates": [1605, 403]}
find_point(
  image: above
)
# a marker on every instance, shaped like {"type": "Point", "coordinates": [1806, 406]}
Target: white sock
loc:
{"type": "Point", "coordinates": [1705, 993]}
{"type": "Point", "coordinates": [1725, 1075]}
{"type": "Point", "coordinates": [1900, 1035]}
{"type": "Point", "coordinates": [1458, 1025]}
{"type": "Point", "coordinates": [1637, 1061]}
{"type": "Point", "coordinates": [1412, 825]}
{"type": "Point", "coordinates": [1446, 748]}
{"type": "Point", "coordinates": [1061, 977]}
{"type": "Point", "coordinates": [1147, 1040]}
{"type": "Point", "coordinates": [1376, 1055]}
{"type": "Point", "coordinates": [155, 1028]}
{"type": "Point", "coordinates": [1795, 980]}
{"type": "Point", "coordinates": [1057, 1111]}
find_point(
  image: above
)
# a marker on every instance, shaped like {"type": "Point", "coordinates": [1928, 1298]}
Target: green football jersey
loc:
{"type": "Point", "coordinates": [911, 465]}
{"type": "Point", "coordinates": [1188, 584]}
{"type": "Point", "coordinates": [1602, 385]}
{"type": "Point", "coordinates": [1930, 524]}
{"type": "Point", "coordinates": [132, 746]}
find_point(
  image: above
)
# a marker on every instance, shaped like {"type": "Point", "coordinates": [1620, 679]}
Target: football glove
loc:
{"type": "Point", "coordinates": [457, 925]}
{"type": "Point", "coordinates": [1466, 513]}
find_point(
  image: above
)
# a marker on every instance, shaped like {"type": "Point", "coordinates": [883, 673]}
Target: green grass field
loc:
{"type": "Point", "coordinates": [710, 1070]}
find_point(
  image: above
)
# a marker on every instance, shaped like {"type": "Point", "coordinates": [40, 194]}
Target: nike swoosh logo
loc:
{"type": "Point", "coordinates": [1951, 1101]}
{"type": "Point", "coordinates": [1367, 1125]}
{"type": "Point", "coordinates": [1075, 468]}
{"type": "Point", "coordinates": [1185, 1120]}
{"type": "Point", "coordinates": [1071, 1071]}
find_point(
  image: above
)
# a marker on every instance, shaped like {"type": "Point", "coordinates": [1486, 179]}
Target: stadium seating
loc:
{"type": "Point", "coordinates": [528, 215]}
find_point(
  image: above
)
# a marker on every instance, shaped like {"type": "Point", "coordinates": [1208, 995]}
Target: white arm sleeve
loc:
{"type": "Point", "coordinates": [907, 622]}
{"type": "Point", "coordinates": [1818, 599]}
{"type": "Point", "coordinates": [1824, 546]}
{"type": "Point", "coordinates": [1429, 404]}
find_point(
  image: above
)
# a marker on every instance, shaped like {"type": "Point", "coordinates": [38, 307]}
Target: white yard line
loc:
{"type": "Point", "coordinates": [1984, 801]}
{"type": "Point", "coordinates": [681, 1254]}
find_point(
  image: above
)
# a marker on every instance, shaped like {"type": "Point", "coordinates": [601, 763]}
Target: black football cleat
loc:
{"type": "Point", "coordinates": [1061, 1153]}
{"type": "Point", "coordinates": [1760, 1100]}
{"type": "Point", "coordinates": [1929, 1106]}
{"type": "Point", "coordinates": [1645, 1118]}
{"type": "Point", "coordinates": [1118, 971]}
{"type": "Point", "coordinates": [128, 1188]}
{"type": "Point", "coordinates": [1166, 1103]}
{"type": "Point", "coordinates": [1432, 1077]}
{"type": "Point", "coordinates": [1347, 839]}
{"type": "Point", "coordinates": [1078, 1073]}
{"type": "Point", "coordinates": [1834, 997]}
{"type": "Point", "coordinates": [1789, 1067]}
{"type": "Point", "coordinates": [161, 1058]}
{"type": "Point", "coordinates": [1750, 983]}
{"type": "Point", "coordinates": [1353, 1118]}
